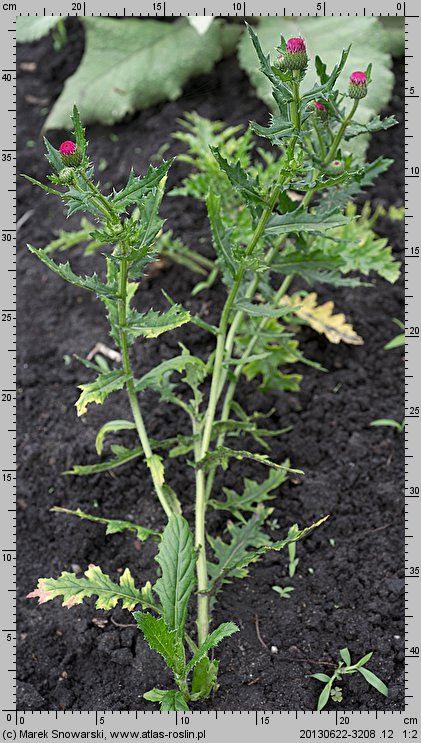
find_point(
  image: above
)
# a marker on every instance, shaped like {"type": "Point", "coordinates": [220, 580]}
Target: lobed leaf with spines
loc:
{"type": "Point", "coordinates": [100, 389]}
{"type": "Point", "coordinates": [137, 187]}
{"type": "Point", "coordinates": [95, 583]}
{"type": "Point", "coordinates": [254, 493]}
{"type": "Point", "coordinates": [91, 283]}
{"type": "Point", "coordinates": [113, 526]}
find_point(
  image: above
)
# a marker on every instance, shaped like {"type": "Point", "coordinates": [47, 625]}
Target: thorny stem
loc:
{"type": "Point", "coordinates": [229, 395]}
{"type": "Point", "coordinates": [340, 133]}
{"type": "Point", "coordinates": [200, 536]}
{"type": "Point", "coordinates": [134, 402]}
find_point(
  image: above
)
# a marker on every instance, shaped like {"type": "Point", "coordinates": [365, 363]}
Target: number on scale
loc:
{"type": "Point", "coordinates": [6, 157]}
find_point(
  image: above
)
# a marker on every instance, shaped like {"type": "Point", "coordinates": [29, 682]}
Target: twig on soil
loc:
{"type": "Point", "coordinates": [123, 626]}
{"type": "Point", "coordinates": [109, 353]}
{"type": "Point", "coordinates": [259, 636]}
{"type": "Point", "coordinates": [373, 531]}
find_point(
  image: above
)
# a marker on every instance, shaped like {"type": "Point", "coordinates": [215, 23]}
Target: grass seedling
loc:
{"type": "Point", "coordinates": [346, 668]}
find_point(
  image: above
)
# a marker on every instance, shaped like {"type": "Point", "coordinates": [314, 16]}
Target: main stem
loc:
{"type": "Point", "coordinates": [200, 532]}
{"type": "Point", "coordinates": [134, 402]}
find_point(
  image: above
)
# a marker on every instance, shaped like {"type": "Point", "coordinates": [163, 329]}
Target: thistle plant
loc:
{"type": "Point", "coordinates": [262, 241]}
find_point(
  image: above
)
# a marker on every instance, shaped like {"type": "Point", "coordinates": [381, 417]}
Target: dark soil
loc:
{"type": "Point", "coordinates": [349, 587]}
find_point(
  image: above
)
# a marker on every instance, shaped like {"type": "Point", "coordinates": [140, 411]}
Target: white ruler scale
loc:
{"type": "Point", "coordinates": [210, 726]}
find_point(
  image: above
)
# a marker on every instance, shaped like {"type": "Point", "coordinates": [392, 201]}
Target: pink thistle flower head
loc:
{"type": "Point", "coordinates": [295, 55]}
{"type": "Point", "coordinates": [320, 110]}
{"type": "Point", "coordinates": [358, 78]}
{"type": "Point", "coordinates": [71, 155]}
{"type": "Point", "coordinates": [357, 85]}
{"type": "Point", "coordinates": [296, 44]}
{"type": "Point", "coordinates": [67, 148]}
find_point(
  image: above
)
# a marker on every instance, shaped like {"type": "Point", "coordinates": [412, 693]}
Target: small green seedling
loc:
{"type": "Point", "coordinates": [398, 340]}
{"type": "Point", "coordinates": [345, 667]}
{"type": "Point", "coordinates": [390, 422]}
{"type": "Point", "coordinates": [292, 552]}
{"type": "Point", "coordinates": [283, 592]}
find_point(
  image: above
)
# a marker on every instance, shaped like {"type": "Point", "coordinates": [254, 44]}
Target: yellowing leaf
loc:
{"type": "Point", "coordinates": [323, 321]}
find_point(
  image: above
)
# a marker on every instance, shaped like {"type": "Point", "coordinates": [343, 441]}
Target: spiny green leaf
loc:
{"type": "Point", "coordinates": [253, 494]}
{"type": "Point", "coordinates": [302, 220]}
{"type": "Point", "coordinates": [114, 526]}
{"type": "Point", "coordinates": [121, 456]}
{"type": "Point", "coordinates": [177, 559]}
{"type": "Point", "coordinates": [160, 638]}
{"type": "Point", "coordinates": [184, 362]}
{"type": "Point", "coordinates": [224, 630]}
{"type": "Point", "coordinates": [100, 389]}
{"type": "Point", "coordinates": [92, 283]}
{"type": "Point", "coordinates": [45, 188]}
{"type": "Point", "coordinates": [152, 324]}
{"type": "Point", "coordinates": [243, 538]}
{"type": "Point", "coordinates": [138, 187]}
{"type": "Point", "coordinates": [277, 546]}
{"type": "Point", "coordinates": [223, 454]}
{"type": "Point", "coordinates": [220, 236]}
{"type": "Point", "coordinates": [248, 186]}
{"type": "Point", "coordinates": [260, 310]}
{"type": "Point", "coordinates": [95, 583]}
{"type": "Point", "coordinates": [124, 68]}
{"type": "Point", "coordinates": [111, 426]}
{"type": "Point", "coordinates": [170, 700]}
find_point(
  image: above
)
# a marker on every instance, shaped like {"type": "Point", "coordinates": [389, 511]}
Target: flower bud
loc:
{"type": "Point", "coordinates": [336, 167]}
{"type": "Point", "coordinates": [278, 63]}
{"type": "Point", "coordinates": [295, 57]}
{"type": "Point", "coordinates": [357, 85]}
{"type": "Point", "coordinates": [66, 176]}
{"type": "Point", "coordinates": [70, 154]}
{"type": "Point", "coordinates": [320, 110]}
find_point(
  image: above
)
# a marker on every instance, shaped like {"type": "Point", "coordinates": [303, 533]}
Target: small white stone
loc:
{"type": "Point", "coordinates": [274, 649]}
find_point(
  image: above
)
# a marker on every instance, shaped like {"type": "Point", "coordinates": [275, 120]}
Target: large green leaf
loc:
{"type": "Point", "coordinates": [177, 559]}
{"type": "Point", "coordinates": [30, 28]}
{"type": "Point", "coordinates": [369, 44]}
{"type": "Point", "coordinates": [100, 389]}
{"type": "Point", "coordinates": [95, 583]}
{"type": "Point", "coordinates": [302, 220]}
{"type": "Point", "coordinates": [132, 64]}
{"type": "Point", "coordinates": [164, 641]}
{"type": "Point", "coordinates": [113, 526]}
